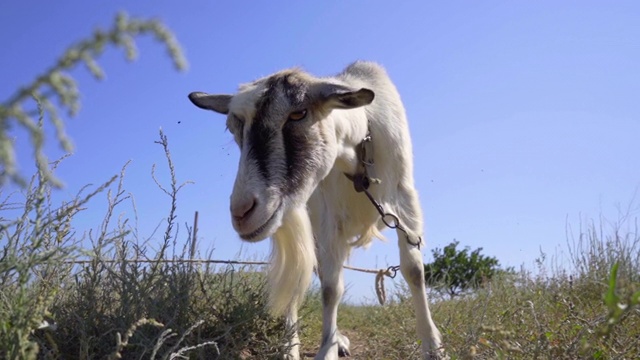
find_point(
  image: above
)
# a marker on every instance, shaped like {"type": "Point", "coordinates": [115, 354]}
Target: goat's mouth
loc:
{"type": "Point", "coordinates": [258, 234]}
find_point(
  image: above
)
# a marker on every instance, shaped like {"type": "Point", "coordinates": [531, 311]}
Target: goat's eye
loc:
{"type": "Point", "coordinates": [298, 115]}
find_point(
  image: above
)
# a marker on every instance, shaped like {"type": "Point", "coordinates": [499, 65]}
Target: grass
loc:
{"type": "Point", "coordinates": [515, 317]}
{"type": "Point", "coordinates": [111, 307]}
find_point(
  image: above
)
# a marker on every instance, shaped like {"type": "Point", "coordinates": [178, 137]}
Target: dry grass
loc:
{"type": "Point", "coordinates": [112, 307]}
{"type": "Point", "coordinates": [116, 308]}
{"type": "Point", "coordinates": [516, 317]}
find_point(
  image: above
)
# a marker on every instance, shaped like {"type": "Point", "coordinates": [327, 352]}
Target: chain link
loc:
{"type": "Point", "coordinates": [392, 271]}
{"type": "Point", "coordinates": [395, 221]}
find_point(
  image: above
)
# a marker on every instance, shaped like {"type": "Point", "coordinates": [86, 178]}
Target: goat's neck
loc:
{"type": "Point", "coordinates": [350, 128]}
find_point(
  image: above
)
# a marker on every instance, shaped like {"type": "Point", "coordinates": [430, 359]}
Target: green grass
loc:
{"type": "Point", "coordinates": [515, 317]}
{"type": "Point", "coordinates": [112, 308]}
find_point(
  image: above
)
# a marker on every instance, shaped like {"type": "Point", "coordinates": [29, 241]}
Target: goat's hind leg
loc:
{"type": "Point", "coordinates": [331, 257]}
{"type": "Point", "coordinates": [412, 269]}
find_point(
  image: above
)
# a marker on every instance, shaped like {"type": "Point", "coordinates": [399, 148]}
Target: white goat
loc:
{"type": "Point", "coordinates": [299, 135]}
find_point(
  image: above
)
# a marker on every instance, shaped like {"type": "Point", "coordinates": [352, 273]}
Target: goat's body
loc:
{"type": "Point", "coordinates": [331, 211]}
{"type": "Point", "coordinates": [352, 214]}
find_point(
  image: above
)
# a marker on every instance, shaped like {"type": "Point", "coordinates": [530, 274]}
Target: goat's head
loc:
{"type": "Point", "coordinates": [286, 147]}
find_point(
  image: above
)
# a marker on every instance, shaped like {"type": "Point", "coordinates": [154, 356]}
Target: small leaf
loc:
{"type": "Point", "coordinates": [611, 299]}
{"type": "Point", "coordinates": [635, 299]}
{"type": "Point", "coordinates": [598, 354]}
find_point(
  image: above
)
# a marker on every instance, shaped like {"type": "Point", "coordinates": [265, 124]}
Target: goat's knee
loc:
{"type": "Point", "coordinates": [332, 292]}
{"type": "Point", "coordinates": [329, 294]}
{"type": "Point", "coordinates": [411, 264]}
{"type": "Point", "coordinates": [413, 273]}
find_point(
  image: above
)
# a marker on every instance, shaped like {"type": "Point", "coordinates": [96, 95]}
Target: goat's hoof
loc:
{"type": "Point", "coordinates": [343, 346]}
{"type": "Point", "coordinates": [436, 355]}
{"type": "Point", "coordinates": [343, 352]}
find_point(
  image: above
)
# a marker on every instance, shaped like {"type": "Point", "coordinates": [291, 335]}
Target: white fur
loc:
{"type": "Point", "coordinates": [326, 206]}
{"type": "Point", "coordinates": [292, 261]}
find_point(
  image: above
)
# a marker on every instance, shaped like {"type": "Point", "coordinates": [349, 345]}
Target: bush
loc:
{"type": "Point", "coordinates": [36, 245]}
{"type": "Point", "coordinates": [455, 271]}
{"type": "Point", "coordinates": [117, 299]}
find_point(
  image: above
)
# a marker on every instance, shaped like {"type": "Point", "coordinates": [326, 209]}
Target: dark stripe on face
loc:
{"type": "Point", "coordinates": [264, 131]}
{"type": "Point", "coordinates": [260, 139]}
{"type": "Point", "coordinates": [299, 155]}
{"type": "Point", "coordinates": [260, 135]}
{"type": "Point", "coordinates": [297, 148]}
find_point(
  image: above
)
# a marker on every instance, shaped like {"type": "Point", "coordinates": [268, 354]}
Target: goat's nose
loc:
{"type": "Point", "coordinates": [241, 209]}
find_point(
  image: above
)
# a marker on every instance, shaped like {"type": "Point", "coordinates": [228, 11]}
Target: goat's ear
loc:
{"type": "Point", "coordinates": [343, 97]}
{"type": "Point", "coordinates": [217, 103]}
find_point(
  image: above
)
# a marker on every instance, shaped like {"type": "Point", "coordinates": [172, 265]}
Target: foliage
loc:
{"type": "Point", "coordinates": [57, 84]}
{"type": "Point", "coordinates": [36, 242]}
{"type": "Point", "coordinates": [455, 271]}
{"type": "Point", "coordinates": [59, 301]}
{"type": "Point", "coordinates": [617, 308]}
{"type": "Point", "coordinates": [110, 307]}
{"type": "Point", "coordinates": [599, 246]}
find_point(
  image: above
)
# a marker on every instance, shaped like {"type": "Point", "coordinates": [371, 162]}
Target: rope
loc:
{"type": "Point", "coordinates": [391, 271]}
{"type": "Point", "coordinates": [382, 295]}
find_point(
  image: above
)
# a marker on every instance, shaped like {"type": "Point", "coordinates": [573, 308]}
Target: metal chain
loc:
{"type": "Point", "coordinates": [362, 181]}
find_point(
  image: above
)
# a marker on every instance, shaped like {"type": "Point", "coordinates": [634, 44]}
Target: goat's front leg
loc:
{"type": "Point", "coordinates": [291, 327]}
{"type": "Point", "coordinates": [331, 255]}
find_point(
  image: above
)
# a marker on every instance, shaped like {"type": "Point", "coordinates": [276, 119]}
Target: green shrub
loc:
{"type": "Point", "coordinates": [455, 271]}
{"type": "Point", "coordinates": [36, 244]}
{"type": "Point", "coordinates": [117, 299]}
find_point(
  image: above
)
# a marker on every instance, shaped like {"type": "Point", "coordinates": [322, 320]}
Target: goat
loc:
{"type": "Point", "coordinates": [299, 135]}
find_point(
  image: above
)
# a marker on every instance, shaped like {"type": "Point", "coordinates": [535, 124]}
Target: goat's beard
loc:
{"type": "Point", "coordinates": [292, 261]}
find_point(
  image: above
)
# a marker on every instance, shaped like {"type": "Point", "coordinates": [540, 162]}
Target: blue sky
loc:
{"type": "Point", "coordinates": [524, 115]}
